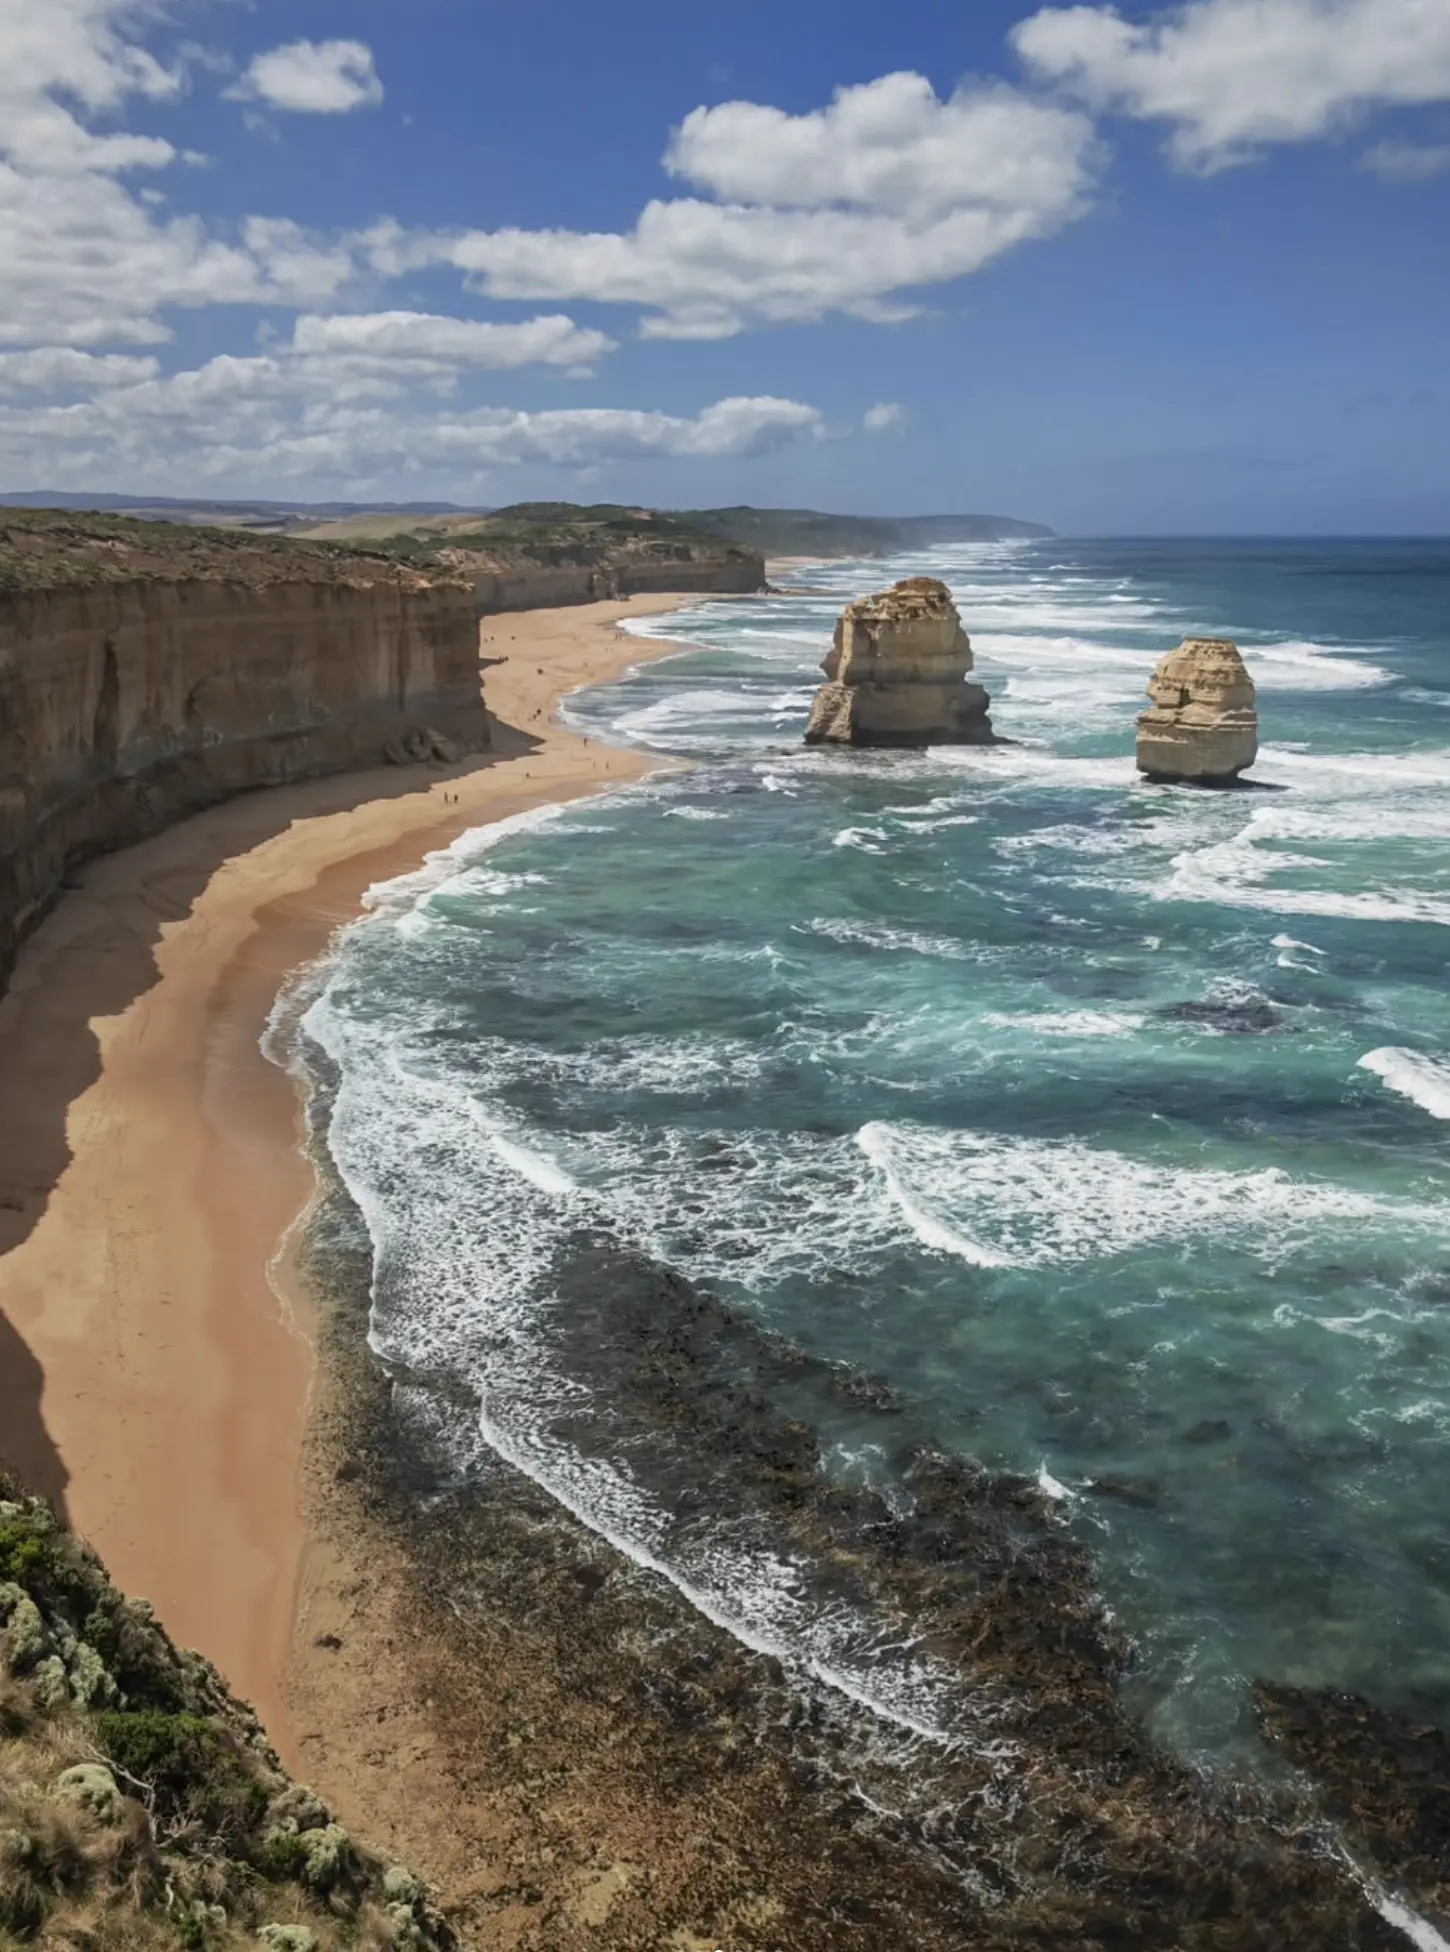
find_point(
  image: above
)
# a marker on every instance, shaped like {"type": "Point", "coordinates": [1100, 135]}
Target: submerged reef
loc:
{"type": "Point", "coordinates": [1011, 1805]}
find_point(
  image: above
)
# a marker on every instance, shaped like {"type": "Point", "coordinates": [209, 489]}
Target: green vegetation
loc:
{"type": "Point", "coordinates": [141, 1806]}
{"type": "Point", "coordinates": [57, 548]}
{"type": "Point", "coordinates": [43, 549]}
{"type": "Point", "coordinates": [559, 534]}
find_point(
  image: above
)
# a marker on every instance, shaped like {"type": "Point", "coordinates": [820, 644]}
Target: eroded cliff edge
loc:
{"type": "Point", "coordinates": [147, 671]}
{"type": "Point", "coordinates": [543, 555]}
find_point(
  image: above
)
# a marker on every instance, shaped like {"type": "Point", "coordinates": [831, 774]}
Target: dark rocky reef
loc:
{"type": "Point", "coordinates": [1385, 1777]}
{"type": "Point", "coordinates": [1045, 1820]}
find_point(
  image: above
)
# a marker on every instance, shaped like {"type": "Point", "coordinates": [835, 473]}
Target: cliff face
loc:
{"type": "Point", "coordinates": [897, 674]}
{"type": "Point", "coordinates": [502, 584]}
{"type": "Point", "coordinates": [131, 694]}
{"type": "Point", "coordinates": [538, 555]}
{"type": "Point", "coordinates": [1202, 724]}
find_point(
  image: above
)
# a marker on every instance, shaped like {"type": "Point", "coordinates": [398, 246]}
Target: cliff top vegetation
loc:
{"type": "Point", "coordinates": [559, 534]}
{"type": "Point", "coordinates": [141, 1806]}
{"type": "Point", "coordinates": [45, 549]}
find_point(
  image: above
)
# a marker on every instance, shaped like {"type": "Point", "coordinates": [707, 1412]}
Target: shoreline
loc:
{"type": "Point", "coordinates": [545, 1723]}
{"type": "Point", "coordinates": [152, 1384]}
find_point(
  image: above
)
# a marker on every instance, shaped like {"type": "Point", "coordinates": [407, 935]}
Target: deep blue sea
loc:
{"type": "Point", "coordinates": [1105, 1121]}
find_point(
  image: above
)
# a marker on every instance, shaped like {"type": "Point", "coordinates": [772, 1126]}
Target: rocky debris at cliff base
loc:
{"type": "Point", "coordinates": [1202, 725]}
{"type": "Point", "coordinates": [425, 745]}
{"type": "Point", "coordinates": [897, 674]}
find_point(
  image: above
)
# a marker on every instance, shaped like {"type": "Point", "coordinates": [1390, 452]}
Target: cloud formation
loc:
{"type": "Point", "coordinates": [426, 343]}
{"type": "Point", "coordinates": [1231, 76]}
{"type": "Point", "coordinates": [850, 208]}
{"type": "Point", "coordinates": [86, 257]}
{"type": "Point", "coordinates": [1408, 162]}
{"type": "Point", "coordinates": [314, 78]}
{"type": "Point", "coordinates": [857, 207]}
{"type": "Point", "coordinates": [335, 404]}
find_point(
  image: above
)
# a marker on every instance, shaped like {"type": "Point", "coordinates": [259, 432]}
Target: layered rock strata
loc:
{"type": "Point", "coordinates": [536, 586]}
{"type": "Point", "coordinates": [1202, 724]}
{"type": "Point", "coordinates": [137, 686]}
{"type": "Point", "coordinates": [898, 674]}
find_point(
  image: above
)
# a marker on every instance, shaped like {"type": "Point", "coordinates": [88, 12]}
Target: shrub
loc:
{"type": "Point", "coordinates": [283, 1856]}
{"type": "Point", "coordinates": [173, 1752]}
{"type": "Point", "coordinates": [24, 1554]}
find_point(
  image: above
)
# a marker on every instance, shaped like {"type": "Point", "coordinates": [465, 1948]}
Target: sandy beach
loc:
{"type": "Point", "coordinates": [151, 1381]}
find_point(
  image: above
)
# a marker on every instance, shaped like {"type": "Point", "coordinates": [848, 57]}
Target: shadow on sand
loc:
{"type": "Point", "coordinates": [91, 958]}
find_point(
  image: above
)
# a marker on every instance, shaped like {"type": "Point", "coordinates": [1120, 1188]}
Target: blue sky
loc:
{"type": "Point", "coordinates": [1135, 270]}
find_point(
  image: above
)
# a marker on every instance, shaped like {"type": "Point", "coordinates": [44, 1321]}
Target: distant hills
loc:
{"type": "Point", "coordinates": [771, 531]}
{"type": "Point", "coordinates": [229, 514]}
{"type": "Point", "coordinates": [809, 532]}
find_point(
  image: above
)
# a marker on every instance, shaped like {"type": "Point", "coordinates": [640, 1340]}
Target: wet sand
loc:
{"type": "Point", "coordinates": [151, 1381]}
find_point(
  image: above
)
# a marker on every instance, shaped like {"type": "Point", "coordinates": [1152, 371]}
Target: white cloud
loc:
{"type": "Point", "coordinates": [87, 258]}
{"type": "Point", "coordinates": [314, 78]}
{"type": "Point", "coordinates": [62, 369]}
{"type": "Point", "coordinates": [72, 51]}
{"type": "Point", "coordinates": [845, 209]}
{"type": "Point", "coordinates": [424, 341]}
{"type": "Point", "coordinates": [886, 417]}
{"type": "Point", "coordinates": [1408, 162]}
{"type": "Point", "coordinates": [887, 145]}
{"type": "Point", "coordinates": [1233, 75]}
{"type": "Point", "coordinates": [314, 417]}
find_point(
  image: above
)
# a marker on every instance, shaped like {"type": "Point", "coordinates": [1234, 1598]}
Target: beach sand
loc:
{"type": "Point", "coordinates": [151, 1382]}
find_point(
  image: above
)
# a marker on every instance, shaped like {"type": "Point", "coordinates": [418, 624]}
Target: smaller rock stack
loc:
{"type": "Point", "coordinates": [1202, 724]}
{"type": "Point", "coordinates": [897, 674]}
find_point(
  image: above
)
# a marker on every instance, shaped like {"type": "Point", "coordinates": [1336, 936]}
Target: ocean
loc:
{"type": "Point", "coordinates": [1096, 1127]}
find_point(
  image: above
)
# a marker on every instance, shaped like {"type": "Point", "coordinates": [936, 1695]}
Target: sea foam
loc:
{"type": "Point", "coordinates": [1425, 1080]}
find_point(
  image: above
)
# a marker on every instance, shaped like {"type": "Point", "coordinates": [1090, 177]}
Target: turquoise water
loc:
{"type": "Point", "coordinates": [1105, 1121]}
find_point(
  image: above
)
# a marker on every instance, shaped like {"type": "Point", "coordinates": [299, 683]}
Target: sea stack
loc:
{"type": "Point", "coordinates": [1202, 724]}
{"type": "Point", "coordinates": [898, 674]}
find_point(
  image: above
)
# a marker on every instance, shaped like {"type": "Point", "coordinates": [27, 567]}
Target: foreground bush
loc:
{"type": "Point", "coordinates": [141, 1805]}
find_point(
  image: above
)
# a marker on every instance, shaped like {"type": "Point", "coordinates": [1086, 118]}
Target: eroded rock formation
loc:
{"type": "Point", "coordinates": [898, 674]}
{"type": "Point", "coordinates": [147, 671]}
{"type": "Point", "coordinates": [1202, 724]}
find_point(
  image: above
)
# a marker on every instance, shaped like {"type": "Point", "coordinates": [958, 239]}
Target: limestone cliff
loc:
{"type": "Point", "coordinates": [1202, 724]}
{"type": "Point", "coordinates": [501, 585]}
{"type": "Point", "coordinates": [147, 671]}
{"type": "Point", "coordinates": [897, 674]}
{"type": "Point", "coordinates": [537, 555]}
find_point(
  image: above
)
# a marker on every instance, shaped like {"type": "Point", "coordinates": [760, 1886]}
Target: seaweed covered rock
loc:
{"type": "Point", "coordinates": [898, 674]}
{"type": "Point", "coordinates": [1202, 724]}
{"type": "Point", "coordinates": [141, 1798]}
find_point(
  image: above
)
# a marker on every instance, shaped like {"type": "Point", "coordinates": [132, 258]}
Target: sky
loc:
{"type": "Point", "coordinates": [1132, 270]}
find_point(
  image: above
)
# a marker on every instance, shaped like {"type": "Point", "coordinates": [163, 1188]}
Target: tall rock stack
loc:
{"type": "Point", "coordinates": [1202, 724]}
{"type": "Point", "coordinates": [898, 674]}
